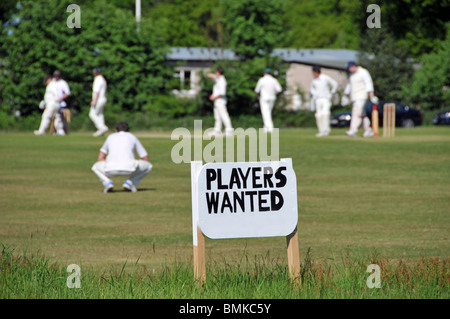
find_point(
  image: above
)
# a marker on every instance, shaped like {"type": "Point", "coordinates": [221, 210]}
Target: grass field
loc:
{"type": "Point", "coordinates": [361, 201]}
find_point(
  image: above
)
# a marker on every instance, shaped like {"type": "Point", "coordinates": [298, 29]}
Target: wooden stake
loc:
{"type": "Point", "coordinates": [293, 256]}
{"type": "Point", "coordinates": [197, 236]}
{"type": "Point", "coordinates": [199, 258]}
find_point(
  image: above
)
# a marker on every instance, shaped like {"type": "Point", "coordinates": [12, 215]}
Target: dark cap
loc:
{"type": "Point", "coordinates": [268, 71]}
{"type": "Point", "coordinates": [349, 64]}
{"type": "Point", "coordinates": [97, 70]}
{"type": "Point", "coordinates": [122, 127]}
{"type": "Point", "coordinates": [316, 68]}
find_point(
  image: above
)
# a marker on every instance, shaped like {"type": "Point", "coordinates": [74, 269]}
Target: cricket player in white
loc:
{"type": "Point", "coordinates": [267, 87]}
{"type": "Point", "coordinates": [219, 98]}
{"type": "Point", "coordinates": [117, 158]}
{"type": "Point", "coordinates": [51, 104]}
{"type": "Point", "coordinates": [322, 89]}
{"type": "Point", "coordinates": [98, 103]}
{"type": "Point", "coordinates": [359, 88]}
{"type": "Point", "coordinates": [63, 93]}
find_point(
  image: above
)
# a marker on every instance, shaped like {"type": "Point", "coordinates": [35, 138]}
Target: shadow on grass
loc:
{"type": "Point", "coordinates": [144, 189]}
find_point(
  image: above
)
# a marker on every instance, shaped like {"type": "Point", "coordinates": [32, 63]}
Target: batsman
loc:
{"type": "Point", "coordinates": [50, 104]}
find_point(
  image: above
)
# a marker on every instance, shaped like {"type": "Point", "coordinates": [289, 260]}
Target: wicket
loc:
{"type": "Point", "coordinates": [389, 119]}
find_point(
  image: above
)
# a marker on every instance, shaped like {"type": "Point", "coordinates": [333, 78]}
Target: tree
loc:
{"type": "Point", "coordinates": [254, 27]}
{"type": "Point", "coordinates": [133, 62]}
{"type": "Point", "coordinates": [389, 63]}
{"type": "Point", "coordinates": [418, 25]}
{"type": "Point", "coordinates": [6, 9]}
{"type": "Point", "coordinates": [322, 23]}
{"type": "Point", "coordinates": [430, 86]}
{"type": "Point", "coordinates": [189, 23]}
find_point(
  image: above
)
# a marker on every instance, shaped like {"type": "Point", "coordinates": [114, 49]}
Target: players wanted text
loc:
{"type": "Point", "coordinates": [252, 189]}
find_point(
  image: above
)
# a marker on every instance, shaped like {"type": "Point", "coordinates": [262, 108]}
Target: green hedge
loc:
{"type": "Point", "coordinates": [150, 121]}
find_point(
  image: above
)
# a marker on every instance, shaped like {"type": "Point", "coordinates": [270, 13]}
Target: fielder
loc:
{"type": "Point", "coordinates": [63, 93]}
{"type": "Point", "coordinates": [50, 103]}
{"type": "Point", "coordinates": [322, 89]}
{"type": "Point", "coordinates": [359, 88]}
{"type": "Point", "coordinates": [117, 158]}
{"type": "Point", "coordinates": [219, 98]}
{"type": "Point", "coordinates": [98, 103]}
{"type": "Point", "coordinates": [267, 88]}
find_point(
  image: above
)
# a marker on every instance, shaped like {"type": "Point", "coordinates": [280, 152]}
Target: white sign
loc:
{"type": "Point", "coordinates": [249, 199]}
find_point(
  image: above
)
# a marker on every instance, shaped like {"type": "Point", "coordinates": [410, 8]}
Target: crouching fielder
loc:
{"type": "Point", "coordinates": [51, 104]}
{"type": "Point", "coordinates": [117, 158]}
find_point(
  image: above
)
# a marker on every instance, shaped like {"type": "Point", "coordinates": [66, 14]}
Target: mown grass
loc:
{"type": "Point", "coordinates": [355, 196]}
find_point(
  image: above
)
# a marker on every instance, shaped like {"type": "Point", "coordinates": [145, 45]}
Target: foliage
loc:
{"type": "Point", "coordinates": [430, 86]}
{"type": "Point", "coordinates": [132, 62]}
{"type": "Point", "coordinates": [254, 26]}
{"type": "Point", "coordinates": [140, 80]}
{"type": "Point", "coordinates": [417, 25]}
{"type": "Point", "coordinates": [6, 9]}
{"type": "Point", "coordinates": [189, 23]}
{"type": "Point", "coordinates": [322, 24]}
{"type": "Point", "coordinates": [387, 62]}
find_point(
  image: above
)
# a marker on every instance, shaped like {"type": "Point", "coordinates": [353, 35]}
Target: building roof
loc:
{"type": "Point", "coordinates": [200, 54]}
{"type": "Point", "coordinates": [332, 58]}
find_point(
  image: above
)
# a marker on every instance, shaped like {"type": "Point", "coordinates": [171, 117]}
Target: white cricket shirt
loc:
{"type": "Point", "coordinates": [99, 86]}
{"type": "Point", "coordinates": [120, 148]}
{"type": "Point", "coordinates": [220, 87]}
{"type": "Point", "coordinates": [51, 94]}
{"type": "Point", "coordinates": [268, 87]}
{"type": "Point", "coordinates": [360, 83]}
{"type": "Point", "coordinates": [63, 87]}
{"type": "Point", "coordinates": [323, 87]}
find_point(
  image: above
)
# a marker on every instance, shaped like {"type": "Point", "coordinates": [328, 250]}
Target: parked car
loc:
{"type": "Point", "coordinates": [341, 119]}
{"type": "Point", "coordinates": [442, 118]}
{"type": "Point", "coordinates": [404, 115]}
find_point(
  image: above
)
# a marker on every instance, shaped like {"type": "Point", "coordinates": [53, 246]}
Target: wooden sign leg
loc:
{"type": "Point", "coordinates": [199, 258]}
{"type": "Point", "coordinates": [197, 235]}
{"type": "Point", "coordinates": [293, 256]}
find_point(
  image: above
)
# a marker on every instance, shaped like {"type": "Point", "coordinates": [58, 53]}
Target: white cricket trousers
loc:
{"type": "Point", "coordinates": [323, 106]}
{"type": "Point", "coordinates": [47, 116]}
{"type": "Point", "coordinates": [221, 116]}
{"type": "Point", "coordinates": [358, 116]}
{"type": "Point", "coordinates": [266, 106]}
{"type": "Point", "coordinates": [96, 115]}
{"type": "Point", "coordinates": [142, 170]}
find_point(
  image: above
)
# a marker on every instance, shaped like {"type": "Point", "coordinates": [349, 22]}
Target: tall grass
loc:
{"type": "Point", "coordinates": [33, 276]}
